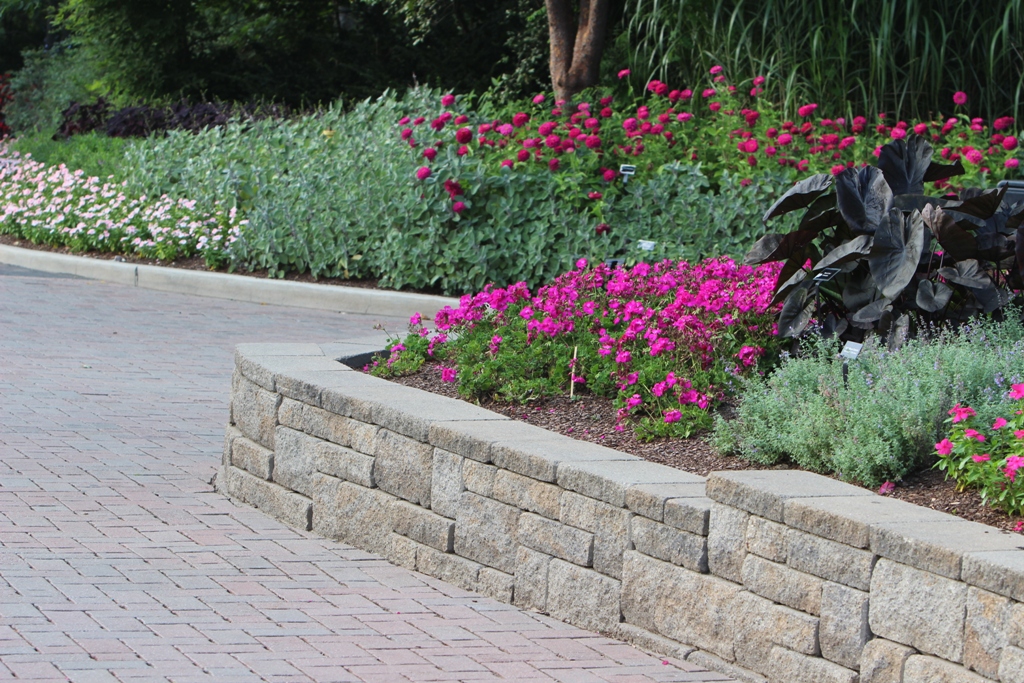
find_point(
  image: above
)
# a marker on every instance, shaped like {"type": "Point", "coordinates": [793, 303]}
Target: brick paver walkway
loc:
{"type": "Point", "coordinates": [118, 561]}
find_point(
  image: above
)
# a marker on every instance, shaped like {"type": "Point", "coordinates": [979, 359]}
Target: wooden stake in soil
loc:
{"type": "Point", "coordinates": [572, 372]}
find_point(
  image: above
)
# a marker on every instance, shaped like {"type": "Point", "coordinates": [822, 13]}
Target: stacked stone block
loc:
{"type": "Point", "coordinates": [780, 576]}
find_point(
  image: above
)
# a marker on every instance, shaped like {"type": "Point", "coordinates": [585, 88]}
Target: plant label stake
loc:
{"type": "Point", "coordinates": [627, 170]}
{"type": "Point", "coordinates": [572, 372]}
{"type": "Point", "coordinates": [850, 352]}
{"type": "Point", "coordinates": [646, 245]}
{"type": "Point", "coordinates": [614, 263]}
{"type": "Point", "coordinates": [826, 274]}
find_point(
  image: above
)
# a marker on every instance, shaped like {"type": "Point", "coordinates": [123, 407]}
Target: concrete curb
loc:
{"type": "Point", "coordinates": [233, 287]}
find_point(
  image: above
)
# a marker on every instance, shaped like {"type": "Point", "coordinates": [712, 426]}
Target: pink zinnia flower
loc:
{"type": "Point", "coordinates": [462, 151]}
{"type": "Point", "coordinates": [898, 133]}
{"type": "Point", "coordinates": [999, 423]}
{"type": "Point", "coordinates": [423, 173]}
{"type": "Point", "coordinates": [537, 99]}
{"type": "Point", "coordinates": [944, 447]}
{"type": "Point", "coordinates": [709, 92]}
{"type": "Point", "coordinates": [520, 119]}
{"type": "Point", "coordinates": [758, 80]}
{"type": "Point", "coordinates": [623, 74]}
{"type": "Point", "coordinates": [1009, 143]}
{"type": "Point", "coordinates": [1019, 434]}
{"type": "Point", "coordinates": [429, 153]}
{"type": "Point", "coordinates": [608, 175]}
{"type": "Point", "coordinates": [463, 135]}
{"type": "Point", "coordinates": [1011, 163]}
{"type": "Point", "coordinates": [447, 100]}
{"type": "Point", "coordinates": [959, 98]}
{"type": "Point", "coordinates": [921, 128]}
{"type": "Point", "coordinates": [716, 69]}
{"type": "Point", "coordinates": [975, 157]}
{"type": "Point", "coordinates": [785, 139]}
{"type": "Point", "coordinates": [685, 116]}
{"type": "Point", "coordinates": [806, 110]}
{"type": "Point", "coordinates": [459, 207]}
{"type": "Point", "coordinates": [630, 125]}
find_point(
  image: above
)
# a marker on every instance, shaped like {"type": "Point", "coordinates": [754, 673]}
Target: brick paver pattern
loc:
{"type": "Point", "coordinates": [119, 562]}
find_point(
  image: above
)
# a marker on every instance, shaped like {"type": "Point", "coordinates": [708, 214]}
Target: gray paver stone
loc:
{"type": "Point", "coordinates": [350, 513]}
{"type": "Point", "coordinates": [987, 631]}
{"type": "Point", "coordinates": [401, 550]}
{"type": "Point", "coordinates": [540, 459]}
{"type": "Point", "coordinates": [446, 485]}
{"type": "Point", "coordinates": [938, 547]}
{"type": "Point", "coordinates": [672, 545]}
{"type": "Point", "coordinates": [254, 410]}
{"type": "Point", "coordinates": [1011, 665]}
{"type": "Point", "coordinates": [727, 541]}
{"type": "Point", "coordinates": [447, 567]}
{"type": "Point", "coordinates": [423, 526]}
{"type": "Point", "coordinates": [782, 584]}
{"type": "Point", "coordinates": [253, 458]}
{"type": "Point", "coordinates": [582, 596]}
{"type": "Point", "coordinates": [495, 584]}
{"type": "Point", "coordinates": [276, 501]}
{"type": "Point", "coordinates": [473, 438]}
{"type": "Point", "coordinates": [411, 411]}
{"type": "Point", "coordinates": [882, 661]}
{"type": "Point", "coordinates": [403, 467]}
{"type": "Point", "coordinates": [793, 667]}
{"type": "Point", "coordinates": [344, 463]}
{"type": "Point", "coordinates": [485, 531]}
{"type": "Point", "coordinates": [558, 540]}
{"type": "Point", "coordinates": [917, 608]}
{"type": "Point", "coordinates": [760, 624]}
{"type": "Point", "coordinates": [609, 481]}
{"type": "Point", "coordinates": [768, 539]}
{"type": "Point", "coordinates": [925, 669]}
{"type": "Point", "coordinates": [609, 524]}
{"type": "Point", "coordinates": [844, 624]}
{"type": "Point", "coordinates": [1001, 572]}
{"type": "Point", "coordinates": [527, 494]}
{"type": "Point", "coordinates": [689, 514]}
{"type": "Point", "coordinates": [1016, 632]}
{"type": "Point", "coordinates": [230, 434]}
{"type": "Point", "coordinates": [648, 500]}
{"type": "Point", "coordinates": [531, 579]}
{"type": "Point", "coordinates": [295, 460]}
{"type": "Point", "coordinates": [763, 492]}
{"type": "Point", "coordinates": [830, 560]}
{"type": "Point", "coordinates": [479, 478]}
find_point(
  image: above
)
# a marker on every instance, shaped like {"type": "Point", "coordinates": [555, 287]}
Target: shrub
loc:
{"type": "Point", "coordinates": [94, 154]}
{"type": "Point", "coordinates": [881, 424]}
{"type": "Point", "coordinates": [665, 341]}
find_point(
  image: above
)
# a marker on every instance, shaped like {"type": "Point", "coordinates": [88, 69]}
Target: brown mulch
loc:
{"type": "Point", "coordinates": [592, 418]}
{"type": "Point", "coordinates": [194, 263]}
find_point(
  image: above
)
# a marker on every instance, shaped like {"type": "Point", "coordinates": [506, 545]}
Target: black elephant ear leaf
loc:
{"type": "Point", "coordinates": [782, 290]}
{"type": "Point", "coordinates": [992, 298]}
{"type": "Point", "coordinates": [797, 311]}
{"type": "Point", "coordinates": [943, 171]}
{"type": "Point", "coordinates": [847, 251]}
{"type": "Point", "coordinates": [774, 247]}
{"type": "Point", "coordinates": [903, 163]}
{"type": "Point", "coordinates": [966, 273]}
{"type": "Point", "coordinates": [799, 196]}
{"type": "Point", "coordinates": [863, 197]}
{"type": "Point", "coordinates": [872, 312]}
{"type": "Point", "coordinates": [953, 239]}
{"type": "Point", "coordinates": [1019, 249]}
{"type": "Point", "coordinates": [859, 291]}
{"type": "Point", "coordinates": [933, 296]}
{"type": "Point", "coordinates": [1015, 217]}
{"type": "Point", "coordinates": [981, 205]}
{"type": "Point", "coordinates": [896, 252]}
{"type": "Point", "coordinates": [910, 202]}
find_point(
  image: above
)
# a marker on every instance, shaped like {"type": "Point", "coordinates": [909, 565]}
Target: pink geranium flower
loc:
{"type": "Point", "coordinates": [1017, 391]}
{"type": "Point", "coordinates": [999, 423]}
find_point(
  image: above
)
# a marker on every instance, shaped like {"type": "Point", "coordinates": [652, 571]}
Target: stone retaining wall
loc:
{"type": "Point", "coordinates": [782, 575]}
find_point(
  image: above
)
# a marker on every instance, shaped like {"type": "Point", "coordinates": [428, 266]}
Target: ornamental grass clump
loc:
{"type": "Point", "coordinates": [666, 341]}
{"type": "Point", "coordinates": [882, 422]}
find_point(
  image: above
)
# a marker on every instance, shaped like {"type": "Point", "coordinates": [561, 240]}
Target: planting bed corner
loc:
{"type": "Point", "coordinates": [784, 576]}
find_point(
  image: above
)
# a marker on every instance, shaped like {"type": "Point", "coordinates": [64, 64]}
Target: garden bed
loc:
{"type": "Point", "coordinates": [593, 418]}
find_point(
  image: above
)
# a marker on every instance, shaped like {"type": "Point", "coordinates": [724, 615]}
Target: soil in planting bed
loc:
{"type": "Point", "coordinates": [592, 418]}
{"type": "Point", "coordinates": [196, 263]}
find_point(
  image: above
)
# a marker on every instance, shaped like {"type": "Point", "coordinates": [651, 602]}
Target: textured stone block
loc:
{"type": "Point", "coordinates": [689, 514]}
{"type": "Point", "coordinates": [446, 485]}
{"type": "Point", "coordinates": [1011, 665]}
{"type": "Point", "coordinates": [362, 436]}
{"type": "Point", "coordinates": [675, 602]}
{"type": "Point", "coordinates": [290, 413]}
{"type": "Point", "coordinates": [792, 667]}
{"type": "Point", "coordinates": [531, 579]}
{"type": "Point", "coordinates": [253, 458]}
{"type": "Point", "coordinates": [254, 410]}
{"type": "Point", "coordinates": [411, 412]}
{"type": "Point", "coordinates": [274, 500]}
{"type": "Point", "coordinates": [669, 544]}
{"type": "Point", "coordinates": [609, 524]}
{"type": "Point", "coordinates": [540, 459]}
{"type": "Point", "coordinates": [917, 608]}
{"type": "Point", "coordinates": [727, 542]}
{"type": "Point", "coordinates": [582, 597]}
{"type": "Point", "coordinates": [485, 531]}
{"type": "Point", "coordinates": [925, 669]}
{"type": "Point", "coordinates": [767, 539]}
{"type": "Point", "coordinates": [556, 539]}
{"type": "Point", "coordinates": [830, 560]}
{"type": "Point", "coordinates": [760, 624]}
{"type": "Point", "coordinates": [849, 519]}
{"type": "Point", "coordinates": [230, 434]}
{"type": "Point", "coordinates": [648, 500]}
{"type": "Point", "coordinates": [1016, 632]}
{"type": "Point", "coordinates": [844, 624]}
{"type": "Point", "coordinates": [782, 584]}
{"type": "Point", "coordinates": [401, 551]}
{"type": "Point", "coordinates": [403, 467]}
{"type": "Point", "coordinates": [344, 463]}
{"type": "Point", "coordinates": [479, 478]}
{"type": "Point", "coordinates": [295, 460]}
{"type": "Point", "coordinates": [938, 547]}
{"type": "Point", "coordinates": [330, 427]}
{"type": "Point", "coordinates": [353, 514]}
{"type": "Point", "coordinates": [423, 526]}
{"type": "Point", "coordinates": [455, 570]}
{"type": "Point", "coordinates": [527, 494]}
{"type": "Point", "coordinates": [1001, 572]}
{"type": "Point", "coordinates": [495, 585]}
{"type": "Point", "coordinates": [764, 492]}
{"type": "Point", "coordinates": [356, 394]}
{"type": "Point", "coordinates": [609, 481]}
{"type": "Point", "coordinates": [882, 661]}
{"type": "Point", "coordinates": [261, 366]}
{"type": "Point", "coordinates": [473, 438]}
{"type": "Point", "coordinates": [987, 631]}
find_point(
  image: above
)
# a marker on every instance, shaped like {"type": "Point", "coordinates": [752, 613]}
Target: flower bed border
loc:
{"type": "Point", "coordinates": [777, 575]}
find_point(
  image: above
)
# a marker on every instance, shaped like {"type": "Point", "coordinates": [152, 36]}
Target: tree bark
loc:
{"type": "Point", "coordinates": [576, 44]}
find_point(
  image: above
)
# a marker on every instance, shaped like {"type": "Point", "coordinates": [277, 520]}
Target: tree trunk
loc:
{"type": "Point", "coordinates": [576, 44]}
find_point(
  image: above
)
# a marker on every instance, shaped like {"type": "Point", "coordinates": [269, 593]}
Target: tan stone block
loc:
{"type": "Point", "coordinates": [782, 584]}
